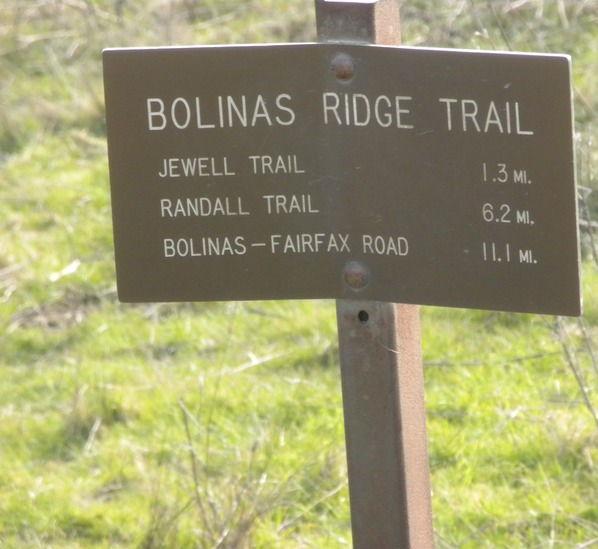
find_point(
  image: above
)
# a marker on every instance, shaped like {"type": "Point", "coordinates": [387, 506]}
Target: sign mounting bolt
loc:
{"type": "Point", "coordinates": [343, 67]}
{"type": "Point", "coordinates": [356, 275]}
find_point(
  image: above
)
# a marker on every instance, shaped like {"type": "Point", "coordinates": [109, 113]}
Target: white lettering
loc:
{"type": "Point", "coordinates": [401, 111]}
{"type": "Point", "coordinates": [223, 111]}
{"type": "Point", "coordinates": [204, 247]}
{"type": "Point", "coordinates": [186, 110]}
{"type": "Point", "coordinates": [260, 111]}
{"type": "Point", "coordinates": [380, 245]}
{"type": "Point", "coordinates": [358, 110]}
{"type": "Point", "coordinates": [241, 113]}
{"type": "Point", "coordinates": [303, 243]}
{"type": "Point", "coordinates": [275, 164]}
{"type": "Point", "coordinates": [153, 113]}
{"type": "Point", "coordinates": [286, 109]}
{"type": "Point", "coordinates": [482, 118]}
{"type": "Point", "coordinates": [518, 123]}
{"type": "Point", "coordinates": [286, 204]}
{"type": "Point", "coordinates": [448, 102]}
{"type": "Point", "coordinates": [202, 207]}
{"type": "Point", "coordinates": [493, 118]}
{"type": "Point", "coordinates": [207, 166]}
{"type": "Point", "coordinates": [469, 114]}
{"type": "Point", "coordinates": [274, 242]}
{"type": "Point", "coordinates": [198, 116]}
{"type": "Point", "coordinates": [331, 107]}
{"type": "Point", "coordinates": [365, 109]}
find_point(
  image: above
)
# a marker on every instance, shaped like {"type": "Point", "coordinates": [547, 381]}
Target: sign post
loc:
{"type": "Point", "coordinates": [380, 354]}
{"type": "Point", "coordinates": [353, 170]}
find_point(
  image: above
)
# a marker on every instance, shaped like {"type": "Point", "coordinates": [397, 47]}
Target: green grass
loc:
{"type": "Point", "coordinates": [512, 446]}
{"type": "Point", "coordinates": [190, 425]}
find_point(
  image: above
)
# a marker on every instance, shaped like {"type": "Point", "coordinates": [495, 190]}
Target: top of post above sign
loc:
{"type": "Point", "coordinates": [370, 22]}
{"type": "Point", "coordinates": [425, 176]}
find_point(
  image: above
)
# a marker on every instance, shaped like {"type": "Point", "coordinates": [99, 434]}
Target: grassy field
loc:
{"type": "Point", "coordinates": [220, 425]}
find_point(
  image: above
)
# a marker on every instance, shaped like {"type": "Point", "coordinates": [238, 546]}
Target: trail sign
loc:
{"type": "Point", "coordinates": [424, 176]}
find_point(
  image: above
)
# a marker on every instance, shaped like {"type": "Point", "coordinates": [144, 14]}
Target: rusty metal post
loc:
{"type": "Point", "coordinates": [385, 425]}
{"type": "Point", "coordinates": [381, 365]}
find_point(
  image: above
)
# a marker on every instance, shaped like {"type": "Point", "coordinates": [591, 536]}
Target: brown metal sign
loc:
{"type": "Point", "coordinates": [436, 177]}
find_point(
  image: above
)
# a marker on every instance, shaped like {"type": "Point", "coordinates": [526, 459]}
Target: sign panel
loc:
{"type": "Point", "coordinates": [437, 177]}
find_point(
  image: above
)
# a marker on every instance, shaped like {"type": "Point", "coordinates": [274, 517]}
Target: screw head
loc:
{"type": "Point", "coordinates": [356, 275]}
{"type": "Point", "coordinates": [343, 67]}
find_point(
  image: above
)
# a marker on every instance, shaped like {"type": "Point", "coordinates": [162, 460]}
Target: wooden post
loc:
{"type": "Point", "coordinates": [381, 365]}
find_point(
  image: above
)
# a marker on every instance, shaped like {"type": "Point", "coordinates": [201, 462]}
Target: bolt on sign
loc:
{"type": "Point", "coordinates": [269, 172]}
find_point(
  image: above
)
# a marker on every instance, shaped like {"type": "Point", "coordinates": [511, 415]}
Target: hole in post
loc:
{"type": "Point", "coordinates": [363, 316]}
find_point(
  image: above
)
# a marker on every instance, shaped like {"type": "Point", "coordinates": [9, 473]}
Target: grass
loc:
{"type": "Point", "coordinates": [507, 427]}
{"type": "Point", "coordinates": [220, 425]}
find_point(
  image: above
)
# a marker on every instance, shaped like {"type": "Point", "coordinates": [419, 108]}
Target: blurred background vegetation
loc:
{"type": "Point", "coordinates": [220, 425]}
